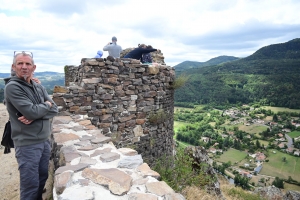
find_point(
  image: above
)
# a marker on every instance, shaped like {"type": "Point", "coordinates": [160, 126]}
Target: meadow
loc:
{"type": "Point", "coordinates": [294, 134]}
{"type": "Point", "coordinates": [232, 155]}
{"type": "Point", "coordinates": [277, 167]}
{"type": "Point", "coordinates": [280, 109]}
{"type": "Point", "coordinates": [178, 125]}
{"type": "Point", "coordinates": [253, 128]}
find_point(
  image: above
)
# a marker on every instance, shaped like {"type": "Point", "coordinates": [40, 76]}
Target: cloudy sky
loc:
{"type": "Point", "coordinates": [61, 32]}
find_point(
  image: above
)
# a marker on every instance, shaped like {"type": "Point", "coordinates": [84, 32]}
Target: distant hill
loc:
{"type": "Point", "coordinates": [48, 79]}
{"type": "Point", "coordinates": [40, 74]}
{"type": "Point", "coordinates": [194, 64]}
{"type": "Point", "coordinates": [270, 76]}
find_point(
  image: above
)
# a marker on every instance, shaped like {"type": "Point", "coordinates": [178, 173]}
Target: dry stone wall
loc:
{"type": "Point", "coordinates": [89, 166]}
{"type": "Point", "coordinates": [130, 102]}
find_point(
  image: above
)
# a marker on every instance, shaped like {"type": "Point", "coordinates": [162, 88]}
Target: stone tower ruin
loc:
{"type": "Point", "coordinates": [128, 101]}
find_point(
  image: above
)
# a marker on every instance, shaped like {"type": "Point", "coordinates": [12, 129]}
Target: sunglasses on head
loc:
{"type": "Point", "coordinates": [28, 53]}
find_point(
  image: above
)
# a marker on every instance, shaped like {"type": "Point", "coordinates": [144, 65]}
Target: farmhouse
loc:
{"type": "Point", "coordinates": [212, 150]}
{"type": "Point", "coordinates": [258, 169]}
{"type": "Point", "coordinates": [280, 135]}
{"type": "Point", "coordinates": [246, 174]}
{"type": "Point", "coordinates": [297, 153]}
{"type": "Point", "coordinates": [280, 139]}
{"type": "Point", "coordinates": [260, 156]}
{"type": "Point", "coordinates": [281, 145]}
{"type": "Point", "coordinates": [287, 130]}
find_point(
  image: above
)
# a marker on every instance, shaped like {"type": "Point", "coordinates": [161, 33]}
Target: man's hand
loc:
{"type": "Point", "coordinates": [24, 120]}
{"type": "Point", "coordinates": [36, 80]}
{"type": "Point", "coordinates": [48, 102]}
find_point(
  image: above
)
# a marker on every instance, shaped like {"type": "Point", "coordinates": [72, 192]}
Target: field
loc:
{"type": "Point", "coordinates": [232, 155]}
{"type": "Point", "coordinates": [253, 128]}
{"type": "Point", "coordinates": [294, 134]}
{"type": "Point", "coordinates": [288, 186]}
{"type": "Point", "coordinates": [280, 109]}
{"type": "Point", "coordinates": [276, 166]}
{"type": "Point", "coordinates": [178, 125]}
{"type": "Point", "coordinates": [263, 142]}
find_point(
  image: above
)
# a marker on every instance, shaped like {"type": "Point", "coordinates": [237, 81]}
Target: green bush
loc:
{"type": "Point", "coordinates": [180, 81]}
{"type": "Point", "coordinates": [158, 117]}
{"type": "Point", "coordinates": [178, 172]}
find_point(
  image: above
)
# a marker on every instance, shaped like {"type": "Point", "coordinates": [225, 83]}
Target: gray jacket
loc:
{"type": "Point", "coordinates": [29, 100]}
{"type": "Point", "coordinates": [113, 49]}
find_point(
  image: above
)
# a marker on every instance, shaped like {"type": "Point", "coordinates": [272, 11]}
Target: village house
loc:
{"type": "Point", "coordinates": [280, 135]}
{"type": "Point", "coordinates": [224, 136]}
{"type": "Point", "coordinates": [297, 153]}
{"type": "Point", "coordinates": [273, 123]}
{"type": "Point", "coordinates": [281, 145]}
{"type": "Point", "coordinates": [212, 150]}
{"type": "Point", "coordinates": [246, 174]}
{"type": "Point", "coordinates": [219, 150]}
{"type": "Point", "coordinates": [252, 155]}
{"type": "Point", "coordinates": [216, 144]}
{"type": "Point", "coordinates": [289, 150]}
{"type": "Point", "coordinates": [280, 139]}
{"type": "Point", "coordinates": [260, 156]}
{"type": "Point", "coordinates": [287, 130]}
{"type": "Point", "coordinates": [205, 139]}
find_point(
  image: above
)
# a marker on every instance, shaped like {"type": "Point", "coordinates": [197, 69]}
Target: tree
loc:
{"type": "Point", "coordinates": [284, 159]}
{"type": "Point", "coordinates": [257, 144]}
{"type": "Point", "coordinates": [278, 182]}
{"type": "Point", "coordinates": [275, 118]}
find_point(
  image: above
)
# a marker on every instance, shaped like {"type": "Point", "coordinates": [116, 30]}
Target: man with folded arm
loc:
{"type": "Point", "coordinates": [30, 109]}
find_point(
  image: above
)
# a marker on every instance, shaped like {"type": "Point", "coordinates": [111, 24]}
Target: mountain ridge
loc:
{"type": "Point", "coordinates": [195, 64]}
{"type": "Point", "coordinates": [269, 77]}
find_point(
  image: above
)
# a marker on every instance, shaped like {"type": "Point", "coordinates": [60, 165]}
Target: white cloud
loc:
{"type": "Point", "coordinates": [62, 32]}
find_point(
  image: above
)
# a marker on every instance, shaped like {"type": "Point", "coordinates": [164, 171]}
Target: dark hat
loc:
{"type": "Point", "coordinates": [114, 38]}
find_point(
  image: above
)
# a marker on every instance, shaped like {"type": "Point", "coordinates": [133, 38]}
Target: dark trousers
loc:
{"type": "Point", "coordinates": [33, 161]}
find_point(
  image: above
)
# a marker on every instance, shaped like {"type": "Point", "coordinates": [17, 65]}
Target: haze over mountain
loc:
{"type": "Point", "coordinates": [270, 76]}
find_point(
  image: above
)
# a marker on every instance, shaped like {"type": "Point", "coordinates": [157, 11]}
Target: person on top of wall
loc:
{"type": "Point", "coordinates": [138, 52]}
{"type": "Point", "coordinates": [113, 49]}
{"type": "Point", "coordinates": [99, 54]}
{"type": "Point", "coordinates": [146, 57]}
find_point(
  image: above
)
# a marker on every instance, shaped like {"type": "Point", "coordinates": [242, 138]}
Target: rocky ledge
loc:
{"type": "Point", "coordinates": [88, 166]}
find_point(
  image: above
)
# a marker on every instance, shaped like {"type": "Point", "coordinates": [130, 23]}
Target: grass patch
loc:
{"type": "Point", "coordinates": [288, 186]}
{"type": "Point", "coordinates": [181, 109]}
{"type": "Point", "coordinates": [294, 134]}
{"type": "Point", "coordinates": [232, 155]}
{"type": "Point", "coordinates": [253, 128]}
{"type": "Point", "coordinates": [280, 109]}
{"type": "Point", "coordinates": [213, 124]}
{"type": "Point", "coordinates": [264, 142]}
{"type": "Point", "coordinates": [178, 125]}
{"type": "Point", "coordinates": [276, 167]}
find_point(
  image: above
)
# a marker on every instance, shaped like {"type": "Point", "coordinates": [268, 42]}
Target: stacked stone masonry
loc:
{"type": "Point", "coordinates": [89, 167]}
{"type": "Point", "coordinates": [127, 101]}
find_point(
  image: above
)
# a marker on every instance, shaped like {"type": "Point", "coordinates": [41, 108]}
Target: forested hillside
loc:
{"type": "Point", "coordinates": [270, 76]}
{"type": "Point", "coordinates": [193, 64]}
